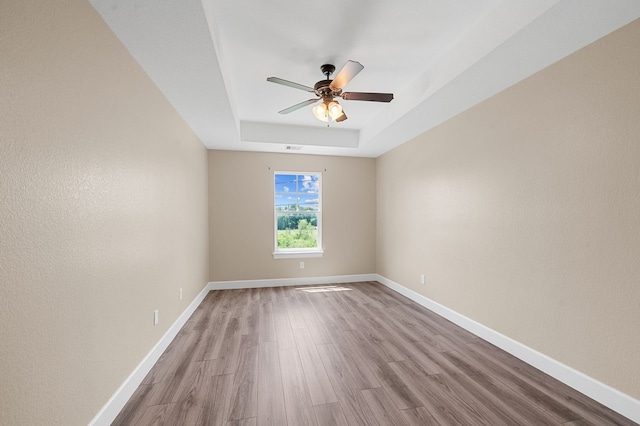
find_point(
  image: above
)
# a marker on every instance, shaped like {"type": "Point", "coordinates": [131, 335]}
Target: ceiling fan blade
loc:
{"type": "Point", "coordinates": [290, 84]}
{"type": "Point", "coordinates": [363, 96]}
{"type": "Point", "coordinates": [346, 74]}
{"type": "Point", "coordinates": [298, 106]}
{"type": "Point", "coordinates": [342, 117]}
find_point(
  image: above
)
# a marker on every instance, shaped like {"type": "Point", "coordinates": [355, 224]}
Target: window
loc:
{"type": "Point", "coordinates": [297, 214]}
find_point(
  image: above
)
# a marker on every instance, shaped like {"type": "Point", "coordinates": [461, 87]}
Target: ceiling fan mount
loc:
{"type": "Point", "coordinates": [327, 69]}
{"type": "Point", "coordinates": [326, 90]}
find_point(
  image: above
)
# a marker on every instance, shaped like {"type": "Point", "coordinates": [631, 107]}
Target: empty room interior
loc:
{"type": "Point", "coordinates": [444, 229]}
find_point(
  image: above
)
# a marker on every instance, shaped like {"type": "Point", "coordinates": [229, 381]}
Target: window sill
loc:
{"type": "Point", "coordinates": [293, 254]}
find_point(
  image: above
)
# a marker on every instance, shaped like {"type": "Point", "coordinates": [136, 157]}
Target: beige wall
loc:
{"type": "Point", "coordinates": [103, 217]}
{"type": "Point", "coordinates": [524, 211]}
{"type": "Point", "coordinates": [241, 215]}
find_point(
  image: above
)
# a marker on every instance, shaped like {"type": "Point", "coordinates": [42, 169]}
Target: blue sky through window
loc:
{"type": "Point", "coordinates": [297, 192]}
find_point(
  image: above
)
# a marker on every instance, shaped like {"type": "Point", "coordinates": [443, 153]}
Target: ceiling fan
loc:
{"type": "Point", "coordinates": [327, 90]}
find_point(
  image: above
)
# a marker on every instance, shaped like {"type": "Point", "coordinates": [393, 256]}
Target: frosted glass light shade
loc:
{"type": "Point", "coordinates": [335, 109]}
{"type": "Point", "coordinates": [321, 112]}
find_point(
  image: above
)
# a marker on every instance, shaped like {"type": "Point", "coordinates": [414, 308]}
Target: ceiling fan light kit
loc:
{"type": "Point", "coordinates": [327, 110]}
{"type": "Point", "coordinates": [326, 90]}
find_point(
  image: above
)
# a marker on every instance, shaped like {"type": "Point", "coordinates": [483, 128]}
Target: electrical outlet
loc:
{"type": "Point", "coordinates": [180, 294]}
{"type": "Point", "coordinates": [155, 317]}
{"type": "Point", "coordinates": [422, 279]}
{"type": "Point", "coordinates": [301, 265]}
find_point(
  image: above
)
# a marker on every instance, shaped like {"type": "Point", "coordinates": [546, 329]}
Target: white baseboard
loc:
{"type": "Point", "coordinates": [278, 282]}
{"type": "Point", "coordinates": [604, 394]}
{"type": "Point", "coordinates": [118, 400]}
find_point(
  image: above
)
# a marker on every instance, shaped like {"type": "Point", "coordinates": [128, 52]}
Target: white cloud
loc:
{"type": "Point", "coordinates": [310, 182]}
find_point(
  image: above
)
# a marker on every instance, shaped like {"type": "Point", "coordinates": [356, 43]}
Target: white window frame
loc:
{"type": "Point", "coordinates": [293, 253]}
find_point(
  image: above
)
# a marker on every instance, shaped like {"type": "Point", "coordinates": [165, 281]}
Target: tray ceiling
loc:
{"type": "Point", "coordinates": [211, 59]}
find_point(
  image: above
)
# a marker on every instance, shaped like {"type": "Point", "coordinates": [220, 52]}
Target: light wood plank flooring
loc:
{"type": "Point", "coordinates": [351, 354]}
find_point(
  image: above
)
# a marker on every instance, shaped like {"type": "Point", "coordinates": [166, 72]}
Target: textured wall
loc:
{"type": "Point", "coordinates": [523, 212]}
{"type": "Point", "coordinates": [103, 213]}
{"type": "Point", "coordinates": [241, 215]}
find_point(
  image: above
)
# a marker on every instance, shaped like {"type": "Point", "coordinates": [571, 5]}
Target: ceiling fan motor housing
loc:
{"type": "Point", "coordinates": [323, 90]}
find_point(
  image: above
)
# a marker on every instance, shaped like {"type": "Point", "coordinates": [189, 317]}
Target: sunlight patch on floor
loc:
{"type": "Point", "coordinates": [322, 289]}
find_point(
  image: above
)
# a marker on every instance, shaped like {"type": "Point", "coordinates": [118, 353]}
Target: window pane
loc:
{"type": "Point", "coordinates": [308, 202]}
{"type": "Point", "coordinates": [286, 202]}
{"type": "Point", "coordinates": [297, 230]}
{"type": "Point", "coordinates": [308, 184]}
{"type": "Point", "coordinates": [286, 183]}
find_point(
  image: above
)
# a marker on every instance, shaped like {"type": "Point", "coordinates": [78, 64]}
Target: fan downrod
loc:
{"type": "Point", "coordinates": [322, 87]}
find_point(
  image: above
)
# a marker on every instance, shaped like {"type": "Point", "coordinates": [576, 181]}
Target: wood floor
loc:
{"type": "Point", "coordinates": [352, 354]}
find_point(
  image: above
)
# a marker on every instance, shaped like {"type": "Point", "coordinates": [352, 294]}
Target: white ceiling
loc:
{"type": "Point", "coordinates": [211, 59]}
